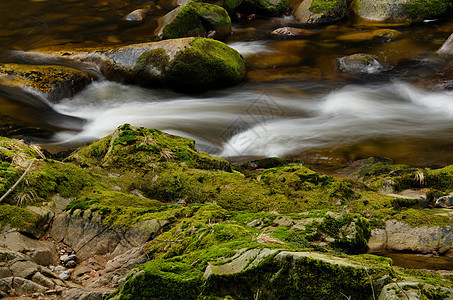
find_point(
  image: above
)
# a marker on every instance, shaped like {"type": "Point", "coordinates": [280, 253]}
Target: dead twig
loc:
{"type": "Point", "coordinates": [17, 182]}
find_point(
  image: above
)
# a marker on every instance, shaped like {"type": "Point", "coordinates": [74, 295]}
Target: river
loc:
{"type": "Point", "coordinates": [315, 114]}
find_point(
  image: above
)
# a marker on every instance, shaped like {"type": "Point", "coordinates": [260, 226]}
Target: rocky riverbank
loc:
{"type": "Point", "coordinates": [142, 208]}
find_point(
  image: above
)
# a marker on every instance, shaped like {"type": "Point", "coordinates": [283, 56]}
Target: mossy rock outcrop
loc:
{"type": "Point", "coordinates": [399, 12]}
{"type": "Point", "coordinates": [272, 8]}
{"type": "Point", "coordinates": [320, 11]}
{"type": "Point", "coordinates": [190, 64]}
{"type": "Point", "coordinates": [228, 5]}
{"type": "Point", "coordinates": [196, 19]}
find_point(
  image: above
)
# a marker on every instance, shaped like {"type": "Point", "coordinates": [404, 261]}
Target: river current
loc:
{"type": "Point", "coordinates": [317, 114]}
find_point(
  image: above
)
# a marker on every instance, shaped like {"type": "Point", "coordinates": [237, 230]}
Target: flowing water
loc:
{"type": "Point", "coordinates": [294, 102]}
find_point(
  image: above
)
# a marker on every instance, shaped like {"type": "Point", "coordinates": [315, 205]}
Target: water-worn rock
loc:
{"type": "Point", "coordinates": [87, 294]}
{"type": "Point", "coordinates": [51, 82]}
{"type": "Point", "coordinates": [358, 63]}
{"type": "Point", "coordinates": [442, 80]}
{"type": "Point", "coordinates": [292, 32]}
{"type": "Point", "coordinates": [400, 11]}
{"type": "Point", "coordinates": [266, 7]}
{"type": "Point", "coordinates": [447, 47]}
{"type": "Point", "coordinates": [399, 236]}
{"type": "Point", "coordinates": [320, 12]}
{"type": "Point", "coordinates": [187, 63]}
{"type": "Point", "coordinates": [364, 36]}
{"type": "Point", "coordinates": [41, 252]}
{"type": "Point", "coordinates": [445, 201]}
{"type": "Point", "coordinates": [137, 15]}
{"type": "Point", "coordinates": [88, 236]}
{"type": "Point", "coordinates": [196, 19]}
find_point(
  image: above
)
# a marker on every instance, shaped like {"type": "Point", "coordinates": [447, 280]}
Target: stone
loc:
{"type": "Point", "coordinates": [70, 264]}
{"type": "Point", "coordinates": [254, 223]}
{"type": "Point", "coordinates": [59, 269]}
{"type": "Point", "coordinates": [444, 202]}
{"type": "Point", "coordinates": [20, 286]}
{"type": "Point", "coordinates": [365, 36]}
{"type": "Point", "coordinates": [292, 32]}
{"type": "Point", "coordinates": [41, 252]}
{"type": "Point", "coordinates": [447, 47]}
{"type": "Point", "coordinates": [42, 280]}
{"type": "Point", "coordinates": [195, 19]}
{"type": "Point", "coordinates": [23, 269]}
{"type": "Point", "coordinates": [51, 82]}
{"type": "Point", "coordinates": [137, 15]}
{"type": "Point", "coordinates": [271, 8]}
{"type": "Point", "coordinates": [189, 64]}
{"type": "Point", "coordinates": [86, 294]}
{"type": "Point", "coordinates": [360, 63]}
{"type": "Point", "coordinates": [72, 257]}
{"type": "Point", "coordinates": [313, 11]}
{"type": "Point", "coordinates": [398, 11]}
{"type": "Point", "coordinates": [64, 276]}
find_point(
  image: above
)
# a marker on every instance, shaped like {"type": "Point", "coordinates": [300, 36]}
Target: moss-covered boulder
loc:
{"type": "Point", "coordinates": [51, 82]}
{"type": "Point", "coordinates": [196, 19]}
{"type": "Point", "coordinates": [228, 5]}
{"type": "Point", "coordinates": [399, 12]}
{"type": "Point", "coordinates": [189, 63]}
{"type": "Point", "coordinates": [320, 11]}
{"type": "Point", "coordinates": [272, 8]}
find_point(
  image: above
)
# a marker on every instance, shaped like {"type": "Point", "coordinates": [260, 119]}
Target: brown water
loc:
{"type": "Point", "coordinates": [294, 102]}
{"type": "Point", "coordinates": [419, 261]}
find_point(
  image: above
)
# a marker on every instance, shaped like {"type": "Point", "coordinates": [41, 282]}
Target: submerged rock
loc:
{"type": "Point", "coordinates": [293, 32]}
{"type": "Point", "coordinates": [400, 11]}
{"type": "Point", "coordinates": [196, 19]}
{"type": "Point", "coordinates": [320, 12]}
{"type": "Point", "coordinates": [137, 15]}
{"type": "Point", "coordinates": [187, 63]}
{"type": "Point", "coordinates": [359, 63]}
{"type": "Point", "coordinates": [364, 36]}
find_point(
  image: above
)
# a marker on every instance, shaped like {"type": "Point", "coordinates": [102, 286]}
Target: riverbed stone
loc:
{"type": "Point", "coordinates": [320, 12]}
{"type": "Point", "coordinates": [51, 82]}
{"type": "Point", "coordinates": [292, 32]}
{"type": "Point", "coordinates": [184, 64]}
{"type": "Point", "coordinates": [196, 19]}
{"type": "Point", "coordinates": [399, 11]}
{"type": "Point", "coordinates": [383, 34]}
{"type": "Point", "coordinates": [360, 63]}
{"type": "Point", "coordinates": [137, 15]}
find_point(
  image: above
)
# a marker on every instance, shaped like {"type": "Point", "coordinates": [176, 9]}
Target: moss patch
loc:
{"type": "Point", "coordinates": [206, 62]}
{"type": "Point", "coordinates": [417, 218]}
{"type": "Point", "coordinates": [326, 6]}
{"type": "Point", "coordinates": [426, 8]}
{"type": "Point", "coordinates": [17, 217]}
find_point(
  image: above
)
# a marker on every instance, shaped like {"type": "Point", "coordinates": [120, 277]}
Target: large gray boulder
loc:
{"type": "Point", "coordinates": [186, 63]}
{"type": "Point", "coordinates": [318, 12]}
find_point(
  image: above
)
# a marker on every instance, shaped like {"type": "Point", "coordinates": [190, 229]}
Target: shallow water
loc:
{"type": "Point", "coordinates": [294, 102]}
{"type": "Point", "coordinates": [419, 261]}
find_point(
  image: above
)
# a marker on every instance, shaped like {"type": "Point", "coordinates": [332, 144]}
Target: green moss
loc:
{"type": "Point", "coordinates": [426, 8]}
{"type": "Point", "coordinates": [161, 280]}
{"type": "Point", "coordinates": [207, 62]}
{"type": "Point", "coordinates": [422, 217]}
{"type": "Point", "coordinates": [156, 59]}
{"type": "Point", "coordinates": [271, 8]}
{"type": "Point", "coordinates": [196, 16]}
{"type": "Point", "coordinates": [17, 217]}
{"type": "Point", "coordinates": [327, 6]}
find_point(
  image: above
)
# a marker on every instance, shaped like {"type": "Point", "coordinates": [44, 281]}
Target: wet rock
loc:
{"type": "Point", "coordinates": [364, 36]}
{"type": "Point", "coordinates": [400, 11]}
{"type": "Point", "coordinates": [442, 80]}
{"type": "Point", "coordinates": [293, 32]}
{"type": "Point", "coordinates": [185, 64]}
{"type": "Point", "coordinates": [59, 269]}
{"type": "Point", "coordinates": [412, 290]}
{"type": "Point", "coordinates": [137, 15]}
{"type": "Point", "coordinates": [447, 47]}
{"type": "Point", "coordinates": [51, 82]}
{"type": "Point", "coordinates": [229, 5]}
{"type": "Point", "coordinates": [196, 19]}
{"type": "Point", "coordinates": [358, 63]}
{"type": "Point", "coordinates": [272, 8]}
{"type": "Point", "coordinates": [66, 275]}
{"type": "Point", "coordinates": [320, 12]}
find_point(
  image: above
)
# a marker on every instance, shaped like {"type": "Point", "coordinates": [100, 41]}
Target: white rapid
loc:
{"type": "Point", "coordinates": [260, 122]}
